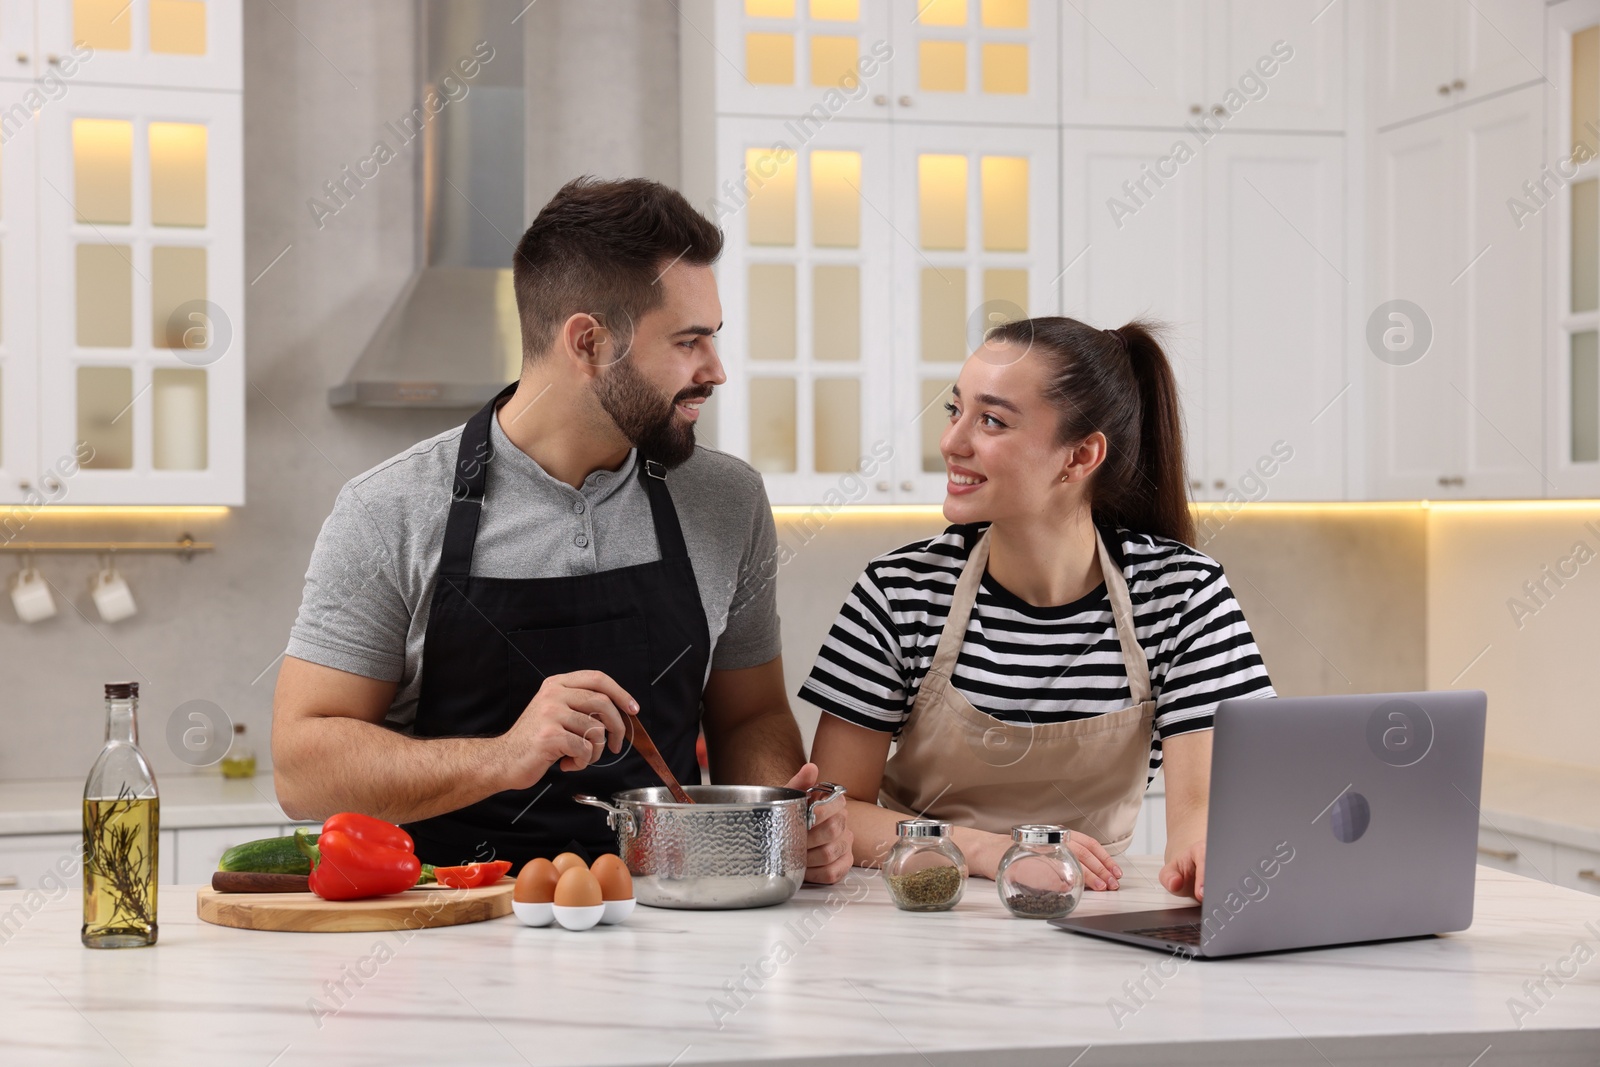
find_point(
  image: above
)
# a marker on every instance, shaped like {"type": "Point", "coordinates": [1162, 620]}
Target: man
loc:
{"type": "Point", "coordinates": [483, 610]}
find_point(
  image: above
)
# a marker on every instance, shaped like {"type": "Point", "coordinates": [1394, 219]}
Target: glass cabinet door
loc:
{"type": "Point", "coordinates": [976, 245]}
{"type": "Point", "coordinates": [802, 278]}
{"type": "Point", "coordinates": [1573, 129]}
{"type": "Point", "coordinates": [976, 61]}
{"type": "Point", "coordinates": [19, 295]}
{"type": "Point", "coordinates": [142, 366]}
{"type": "Point", "coordinates": [178, 44]}
{"type": "Point", "coordinates": [808, 61]}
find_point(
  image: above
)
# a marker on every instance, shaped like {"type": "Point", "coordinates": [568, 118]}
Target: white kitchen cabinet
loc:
{"type": "Point", "coordinates": [17, 54]}
{"type": "Point", "coordinates": [1517, 853]}
{"type": "Point", "coordinates": [1133, 62]}
{"type": "Point", "coordinates": [201, 849]}
{"type": "Point", "coordinates": [976, 213]}
{"type": "Point", "coordinates": [176, 44]}
{"type": "Point", "coordinates": [784, 57]}
{"type": "Point", "coordinates": [28, 858]}
{"type": "Point", "coordinates": [975, 61]}
{"type": "Point", "coordinates": [1274, 327]}
{"type": "Point", "coordinates": [1465, 420]}
{"type": "Point", "coordinates": [1140, 255]}
{"type": "Point", "coordinates": [19, 294]}
{"type": "Point", "coordinates": [1150, 829]}
{"type": "Point", "coordinates": [1577, 868]}
{"type": "Point", "coordinates": [1428, 56]}
{"type": "Point", "coordinates": [1570, 217]}
{"type": "Point", "coordinates": [1167, 63]}
{"type": "Point", "coordinates": [141, 309]}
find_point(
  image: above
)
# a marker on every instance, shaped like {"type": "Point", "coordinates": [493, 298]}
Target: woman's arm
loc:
{"type": "Point", "coordinates": [854, 757]}
{"type": "Point", "coordinates": [1186, 766]}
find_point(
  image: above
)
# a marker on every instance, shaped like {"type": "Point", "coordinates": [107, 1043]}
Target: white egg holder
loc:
{"type": "Point", "coordinates": [607, 913]}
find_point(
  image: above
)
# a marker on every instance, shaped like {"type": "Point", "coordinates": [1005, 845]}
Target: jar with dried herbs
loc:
{"type": "Point", "coordinates": [925, 871]}
{"type": "Point", "coordinates": [1039, 877]}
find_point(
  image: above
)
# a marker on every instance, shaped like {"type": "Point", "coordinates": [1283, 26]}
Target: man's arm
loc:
{"type": "Point", "coordinates": [331, 751]}
{"type": "Point", "coordinates": [752, 739]}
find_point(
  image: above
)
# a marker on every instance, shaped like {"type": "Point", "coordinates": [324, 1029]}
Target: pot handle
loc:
{"type": "Point", "coordinates": [618, 819]}
{"type": "Point", "coordinates": [828, 794]}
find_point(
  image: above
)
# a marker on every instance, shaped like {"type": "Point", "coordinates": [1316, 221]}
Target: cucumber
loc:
{"type": "Point", "coordinates": [270, 855]}
{"type": "Point", "coordinates": [282, 855]}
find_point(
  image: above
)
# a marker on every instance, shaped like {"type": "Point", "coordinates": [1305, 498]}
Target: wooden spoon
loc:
{"type": "Point", "coordinates": [639, 737]}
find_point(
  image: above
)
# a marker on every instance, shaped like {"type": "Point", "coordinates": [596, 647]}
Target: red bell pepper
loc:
{"type": "Point", "coordinates": [347, 867]}
{"type": "Point", "coordinates": [472, 875]}
{"type": "Point", "coordinates": [370, 829]}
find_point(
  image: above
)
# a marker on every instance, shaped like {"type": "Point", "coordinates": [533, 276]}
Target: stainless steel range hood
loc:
{"type": "Point", "coordinates": [452, 339]}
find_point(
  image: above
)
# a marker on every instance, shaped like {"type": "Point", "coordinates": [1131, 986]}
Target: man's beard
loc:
{"type": "Point", "coordinates": [645, 417]}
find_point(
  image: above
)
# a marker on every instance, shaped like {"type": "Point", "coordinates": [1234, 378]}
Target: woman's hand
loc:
{"type": "Point", "coordinates": [1099, 870]}
{"type": "Point", "coordinates": [1185, 873]}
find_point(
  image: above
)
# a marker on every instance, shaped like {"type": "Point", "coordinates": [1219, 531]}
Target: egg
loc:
{"type": "Point", "coordinates": [577, 888]}
{"type": "Point", "coordinates": [537, 883]}
{"type": "Point", "coordinates": [568, 860]}
{"type": "Point", "coordinates": [612, 874]}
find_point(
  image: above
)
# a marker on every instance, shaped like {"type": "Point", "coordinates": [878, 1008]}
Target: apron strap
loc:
{"type": "Point", "coordinates": [669, 534]}
{"type": "Point", "coordinates": [961, 601]}
{"type": "Point", "coordinates": [466, 492]}
{"type": "Point", "coordinates": [1122, 614]}
{"type": "Point", "coordinates": [955, 627]}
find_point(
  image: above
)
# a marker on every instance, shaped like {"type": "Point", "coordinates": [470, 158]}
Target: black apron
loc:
{"type": "Point", "coordinates": [491, 642]}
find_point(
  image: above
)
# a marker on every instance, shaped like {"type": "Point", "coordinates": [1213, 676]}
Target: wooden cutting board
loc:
{"type": "Point", "coordinates": [308, 913]}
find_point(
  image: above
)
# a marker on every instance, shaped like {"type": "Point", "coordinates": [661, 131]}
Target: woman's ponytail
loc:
{"type": "Point", "coordinates": [1120, 383]}
{"type": "Point", "coordinates": [1165, 505]}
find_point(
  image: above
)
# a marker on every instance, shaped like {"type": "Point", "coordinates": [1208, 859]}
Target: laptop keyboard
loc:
{"type": "Point", "coordinates": [1183, 933]}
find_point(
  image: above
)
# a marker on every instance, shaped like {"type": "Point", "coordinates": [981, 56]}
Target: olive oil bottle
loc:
{"type": "Point", "coordinates": [121, 833]}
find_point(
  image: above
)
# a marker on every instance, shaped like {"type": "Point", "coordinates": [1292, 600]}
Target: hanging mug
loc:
{"type": "Point", "coordinates": [112, 597]}
{"type": "Point", "coordinates": [30, 595]}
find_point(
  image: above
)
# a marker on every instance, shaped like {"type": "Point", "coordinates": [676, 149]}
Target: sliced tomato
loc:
{"type": "Point", "coordinates": [472, 875]}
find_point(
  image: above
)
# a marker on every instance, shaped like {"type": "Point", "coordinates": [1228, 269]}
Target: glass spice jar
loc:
{"type": "Point", "coordinates": [925, 871]}
{"type": "Point", "coordinates": [1039, 877]}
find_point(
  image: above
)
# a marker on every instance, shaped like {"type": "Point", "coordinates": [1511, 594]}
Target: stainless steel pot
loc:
{"type": "Point", "coordinates": [736, 846]}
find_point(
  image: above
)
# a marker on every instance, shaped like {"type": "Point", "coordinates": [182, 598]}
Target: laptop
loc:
{"type": "Point", "coordinates": [1333, 820]}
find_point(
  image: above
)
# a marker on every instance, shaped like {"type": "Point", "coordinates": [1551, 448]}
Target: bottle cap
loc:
{"type": "Point", "coordinates": [923, 828]}
{"type": "Point", "coordinates": [1039, 834]}
{"type": "Point", "coordinates": [121, 690]}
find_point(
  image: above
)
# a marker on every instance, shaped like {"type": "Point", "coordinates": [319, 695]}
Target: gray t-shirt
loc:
{"type": "Point", "coordinates": [372, 572]}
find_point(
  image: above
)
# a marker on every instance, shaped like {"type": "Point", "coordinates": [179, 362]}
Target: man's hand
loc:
{"type": "Point", "coordinates": [569, 722]}
{"type": "Point", "coordinates": [1184, 874]}
{"type": "Point", "coordinates": [829, 843]}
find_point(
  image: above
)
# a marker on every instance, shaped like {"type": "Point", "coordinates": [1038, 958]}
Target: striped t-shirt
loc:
{"type": "Point", "coordinates": [1031, 665]}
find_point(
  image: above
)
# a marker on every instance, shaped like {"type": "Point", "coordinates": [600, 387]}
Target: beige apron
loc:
{"type": "Point", "coordinates": [958, 763]}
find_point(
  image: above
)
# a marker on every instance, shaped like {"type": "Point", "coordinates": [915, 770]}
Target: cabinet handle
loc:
{"type": "Point", "coordinates": [1197, 484]}
{"type": "Point", "coordinates": [1448, 480]}
{"type": "Point", "coordinates": [1444, 90]}
{"type": "Point", "coordinates": [908, 485]}
{"type": "Point", "coordinates": [1218, 110]}
{"type": "Point", "coordinates": [22, 57]}
{"type": "Point", "coordinates": [905, 101]}
{"type": "Point", "coordinates": [1219, 484]}
{"type": "Point", "coordinates": [1506, 854]}
{"type": "Point", "coordinates": [883, 487]}
{"type": "Point", "coordinates": [1586, 875]}
{"type": "Point", "coordinates": [881, 100]}
{"type": "Point", "coordinates": [10, 881]}
{"type": "Point", "coordinates": [53, 59]}
{"type": "Point", "coordinates": [1458, 85]}
{"type": "Point", "coordinates": [1195, 109]}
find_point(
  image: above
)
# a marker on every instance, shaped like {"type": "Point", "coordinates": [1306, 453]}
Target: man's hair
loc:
{"type": "Point", "coordinates": [601, 247]}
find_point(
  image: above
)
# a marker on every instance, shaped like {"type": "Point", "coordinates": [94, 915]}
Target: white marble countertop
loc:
{"type": "Point", "coordinates": [857, 982]}
{"type": "Point", "coordinates": [55, 805]}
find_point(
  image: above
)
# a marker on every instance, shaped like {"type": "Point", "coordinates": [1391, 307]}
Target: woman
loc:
{"type": "Point", "coordinates": [1045, 655]}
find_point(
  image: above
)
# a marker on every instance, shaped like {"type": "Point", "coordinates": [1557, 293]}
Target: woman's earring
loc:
{"type": "Point", "coordinates": [1063, 477]}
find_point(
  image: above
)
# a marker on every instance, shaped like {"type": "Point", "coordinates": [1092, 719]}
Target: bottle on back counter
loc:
{"type": "Point", "coordinates": [240, 762]}
{"type": "Point", "coordinates": [121, 831]}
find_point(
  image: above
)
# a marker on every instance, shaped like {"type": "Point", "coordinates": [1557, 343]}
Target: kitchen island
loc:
{"type": "Point", "coordinates": [836, 975]}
